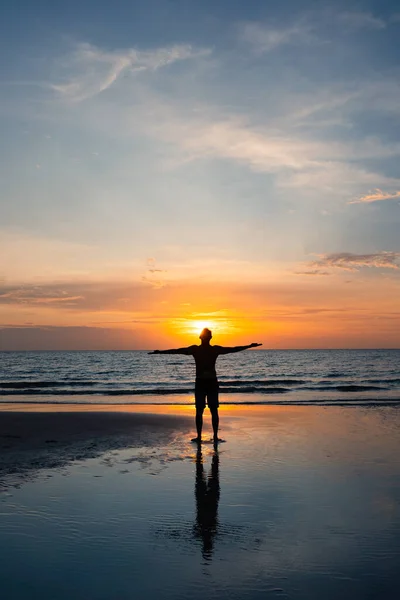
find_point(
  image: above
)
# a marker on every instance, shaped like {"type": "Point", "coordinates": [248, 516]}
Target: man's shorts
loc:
{"type": "Point", "coordinates": [206, 388]}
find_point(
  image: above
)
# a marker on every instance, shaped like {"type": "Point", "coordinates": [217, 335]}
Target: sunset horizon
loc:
{"type": "Point", "coordinates": [94, 316]}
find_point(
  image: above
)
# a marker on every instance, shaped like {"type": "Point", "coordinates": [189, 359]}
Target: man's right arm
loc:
{"type": "Point", "coordinates": [187, 351]}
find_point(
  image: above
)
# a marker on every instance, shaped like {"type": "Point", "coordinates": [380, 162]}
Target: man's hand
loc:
{"type": "Point", "coordinates": [254, 345]}
{"type": "Point", "coordinates": [154, 352]}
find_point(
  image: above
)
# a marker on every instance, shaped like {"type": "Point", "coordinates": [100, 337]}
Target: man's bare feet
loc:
{"type": "Point", "coordinates": [196, 440]}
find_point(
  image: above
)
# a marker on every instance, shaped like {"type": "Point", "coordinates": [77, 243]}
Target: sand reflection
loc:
{"type": "Point", "coordinates": [207, 494]}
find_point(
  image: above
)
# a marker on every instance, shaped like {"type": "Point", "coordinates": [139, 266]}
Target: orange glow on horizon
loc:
{"type": "Point", "coordinates": [112, 316]}
{"type": "Point", "coordinates": [193, 326]}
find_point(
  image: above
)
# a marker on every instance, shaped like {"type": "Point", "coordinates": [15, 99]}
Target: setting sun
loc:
{"type": "Point", "coordinates": [197, 327]}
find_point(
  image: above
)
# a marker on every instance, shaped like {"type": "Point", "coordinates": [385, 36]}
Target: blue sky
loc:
{"type": "Point", "coordinates": [158, 142]}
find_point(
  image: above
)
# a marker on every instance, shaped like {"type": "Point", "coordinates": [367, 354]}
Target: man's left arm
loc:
{"type": "Point", "coordinates": [232, 349]}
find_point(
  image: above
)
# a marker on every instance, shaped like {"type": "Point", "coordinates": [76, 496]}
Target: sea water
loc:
{"type": "Point", "coordinates": [262, 376]}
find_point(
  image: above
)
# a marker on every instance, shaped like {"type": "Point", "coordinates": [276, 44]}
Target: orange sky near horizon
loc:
{"type": "Point", "coordinates": [293, 312]}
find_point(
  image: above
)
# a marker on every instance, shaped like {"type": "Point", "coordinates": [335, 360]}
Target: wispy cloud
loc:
{"type": "Point", "coordinates": [286, 144]}
{"type": "Point", "coordinates": [46, 337]}
{"type": "Point", "coordinates": [376, 196]}
{"type": "Point", "coordinates": [233, 138]}
{"type": "Point", "coordinates": [325, 105]}
{"type": "Point", "coordinates": [312, 272]}
{"type": "Point", "coordinates": [353, 262]}
{"type": "Point", "coordinates": [154, 275]}
{"type": "Point", "coordinates": [133, 297]}
{"type": "Point", "coordinates": [91, 70]}
{"type": "Point", "coordinates": [297, 158]}
{"type": "Point", "coordinates": [310, 29]}
{"type": "Point", "coordinates": [263, 38]}
{"type": "Point", "coordinates": [36, 295]}
{"type": "Point", "coordinates": [361, 20]}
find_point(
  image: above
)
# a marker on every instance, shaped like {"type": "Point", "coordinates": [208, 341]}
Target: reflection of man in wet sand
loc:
{"type": "Point", "coordinates": [207, 493]}
{"type": "Point", "coordinates": [205, 357]}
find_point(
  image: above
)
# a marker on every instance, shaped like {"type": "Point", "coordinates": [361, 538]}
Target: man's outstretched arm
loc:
{"type": "Point", "coordinates": [227, 350]}
{"type": "Point", "coordinates": [187, 351]}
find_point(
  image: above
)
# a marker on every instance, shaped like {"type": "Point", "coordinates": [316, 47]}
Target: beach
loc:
{"type": "Point", "coordinates": [40, 437]}
{"type": "Point", "coordinates": [116, 502]}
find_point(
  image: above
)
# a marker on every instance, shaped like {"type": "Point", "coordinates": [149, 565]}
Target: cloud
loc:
{"type": "Point", "coordinates": [76, 295]}
{"type": "Point", "coordinates": [298, 159]}
{"type": "Point", "coordinates": [361, 20]}
{"type": "Point", "coordinates": [153, 275]}
{"type": "Point", "coordinates": [264, 39]}
{"type": "Point", "coordinates": [233, 138]}
{"type": "Point", "coordinates": [324, 107]}
{"type": "Point", "coordinates": [312, 272]}
{"type": "Point", "coordinates": [264, 148]}
{"type": "Point", "coordinates": [335, 177]}
{"type": "Point", "coordinates": [353, 262]}
{"type": "Point", "coordinates": [286, 143]}
{"type": "Point", "coordinates": [376, 196]}
{"type": "Point", "coordinates": [92, 70]}
{"type": "Point", "coordinates": [36, 295]}
{"type": "Point", "coordinates": [71, 338]}
{"type": "Point", "coordinates": [183, 128]}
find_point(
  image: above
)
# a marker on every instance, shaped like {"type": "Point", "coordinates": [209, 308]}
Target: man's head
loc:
{"type": "Point", "coordinates": [205, 335]}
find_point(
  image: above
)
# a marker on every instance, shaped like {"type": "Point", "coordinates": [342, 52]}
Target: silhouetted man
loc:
{"type": "Point", "coordinates": [206, 387]}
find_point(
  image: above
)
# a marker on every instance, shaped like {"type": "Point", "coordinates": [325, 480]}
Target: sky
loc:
{"type": "Point", "coordinates": [172, 164]}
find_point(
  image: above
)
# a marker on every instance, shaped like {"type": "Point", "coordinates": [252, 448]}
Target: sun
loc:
{"type": "Point", "coordinates": [196, 327]}
{"type": "Point", "coordinates": [192, 326]}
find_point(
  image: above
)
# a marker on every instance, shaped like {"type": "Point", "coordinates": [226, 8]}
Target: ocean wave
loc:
{"type": "Point", "coordinates": [256, 383]}
{"type": "Point", "coordinates": [262, 382]}
{"type": "Point", "coordinates": [52, 389]}
{"type": "Point", "coordinates": [43, 384]}
{"type": "Point", "coordinates": [334, 375]}
{"type": "Point", "coordinates": [387, 380]}
{"type": "Point", "coordinates": [336, 402]}
{"type": "Point", "coordinates": [347, 388]}
{"type": "Point", "coordinates": [136, 392]}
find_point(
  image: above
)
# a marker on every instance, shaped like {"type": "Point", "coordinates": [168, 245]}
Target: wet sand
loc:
{"type": "Point", "coordinates": [44, 437]}
{"type": "Point", "coordinates": [300, 502]}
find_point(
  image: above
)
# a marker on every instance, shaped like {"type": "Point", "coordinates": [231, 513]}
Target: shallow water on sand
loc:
{"type": "Point", "coordinates": [296, 504]}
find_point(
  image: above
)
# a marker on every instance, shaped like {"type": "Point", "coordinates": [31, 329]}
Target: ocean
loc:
{"type": "Point", "coordinates": [332, 377]}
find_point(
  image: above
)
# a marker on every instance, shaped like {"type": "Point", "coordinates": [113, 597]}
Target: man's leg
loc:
{"type": "Point", "coordinates": [200, 400]}
{"type": "Point", "coordinates": [215, 421]}
{"type": "Point", "coordinates": [199, 421]}
{"type": "Point", "coordinates": [213, 404]}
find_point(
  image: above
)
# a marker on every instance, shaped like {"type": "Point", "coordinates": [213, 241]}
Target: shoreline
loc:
{"type": "Point", "coordinates": [388, 397]}
{"type": "Point", "coordinates": [37, 437]}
